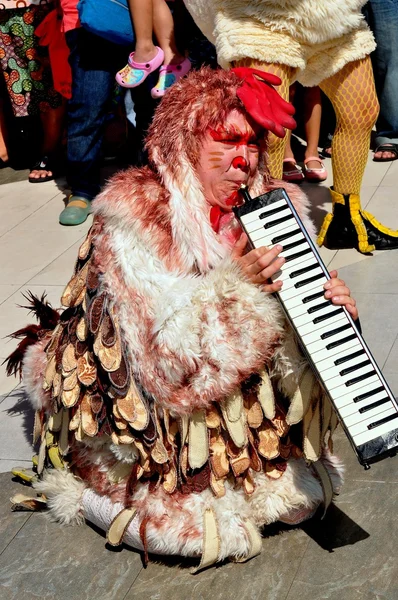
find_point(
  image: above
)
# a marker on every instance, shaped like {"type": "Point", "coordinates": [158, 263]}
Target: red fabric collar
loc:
{"type": "Point", "coordinates": [215, 216]}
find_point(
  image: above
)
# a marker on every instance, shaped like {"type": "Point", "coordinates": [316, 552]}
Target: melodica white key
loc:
{"type": "Point", "coordinates": [334, 347]}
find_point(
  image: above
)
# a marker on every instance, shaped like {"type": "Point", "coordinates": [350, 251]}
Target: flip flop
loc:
{"type": "Point", "coordinates": [44, 164]}
{"type": "Point", "coordinates": [294, 175]}
{"type": "Point", "coordinates": [324, 153]}
{"type": "Point", "coordinates": [315, 175]}
{"type": "Point", "coordinates": [134, 73]}
{"type": "Point", "coordinates": [168, 75]}
{"type": "Point", "coordinates": [387, 147]}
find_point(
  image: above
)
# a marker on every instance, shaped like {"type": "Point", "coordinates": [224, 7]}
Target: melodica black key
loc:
{"type": "Point", "coordinates": [335, 349]}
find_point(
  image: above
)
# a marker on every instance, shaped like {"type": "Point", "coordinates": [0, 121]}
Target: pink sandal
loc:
{"type": "Point", "coordinates": [168, 75]}
{"type": "Point", "coordinates": [294, 175]}
{"type": "Point", "coordinates": [315, 175]}
{"type": "Point", "coordinates": [133, 74]}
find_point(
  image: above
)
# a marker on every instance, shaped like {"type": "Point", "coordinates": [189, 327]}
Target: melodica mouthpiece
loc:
{"type": "Point", "coordinates": [244, 193]}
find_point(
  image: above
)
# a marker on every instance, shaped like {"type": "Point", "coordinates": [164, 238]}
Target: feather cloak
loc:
{"type": "Point", "coordinates": [168, 384]}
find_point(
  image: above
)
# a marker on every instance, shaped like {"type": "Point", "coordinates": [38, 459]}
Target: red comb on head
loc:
{"type": "Point", "coordinates": [262, 101]}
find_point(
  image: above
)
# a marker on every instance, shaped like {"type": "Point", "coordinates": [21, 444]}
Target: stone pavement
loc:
{"type": "Point", "coordinates": [351, 555]}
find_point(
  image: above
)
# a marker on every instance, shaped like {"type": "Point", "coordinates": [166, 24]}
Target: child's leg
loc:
{"type": "Point", "coordinates": [147, 57]}
{"type": "Point", "coordinates": [3, 135]}
{"type": "Point", "coordinates": [291, 170]}
{"type": "Point", "coordinates": [312, 123]}
{"type": "Point", "coordinates": [163, 26]}
{"type": "Point", "coordinates": [288, 147]}
{"type": "Point", "coordinates": [175, 65]}
{"type": "Point", "coordinates": [142, 17]}
{"type": "Point", "coordinates": [288, 137]}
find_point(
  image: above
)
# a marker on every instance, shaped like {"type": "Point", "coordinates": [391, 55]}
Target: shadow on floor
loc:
{"type": "Point", "coordinates": [336, 530]}
{"type": "Point", "coordinates": [24, 407]}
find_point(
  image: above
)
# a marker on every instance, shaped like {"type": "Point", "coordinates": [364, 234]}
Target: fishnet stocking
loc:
{"type": "Point", "coordinates": [353, 95]}
{"type": "Point", "coordinates": [276, 146]}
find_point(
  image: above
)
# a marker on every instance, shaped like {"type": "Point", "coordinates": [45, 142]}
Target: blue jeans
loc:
{"type": "Point", "coordinates": [382, 16]}
{"type": "Point", "coordinates": [94, 62]}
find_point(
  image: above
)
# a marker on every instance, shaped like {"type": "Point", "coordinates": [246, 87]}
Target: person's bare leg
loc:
{"type": "Point", "coordinates": [142, 16]}
{"type": "Point", "coordinates": [312, 123]}
{"type": "Point", "coordinates": [276, 150]}
{"type": "Point", "coordinates": [53, 122]}
{"type": "Point", "coordinates": [289, 161]}
{"type": "Point", "coordinates": [288, 146]}
{"type": "Point", "coordinates": [291, 170]}
{"type": "Point", "coordinates": [163, 26]}
{"type": "Point", "coordinates": [3, 136]}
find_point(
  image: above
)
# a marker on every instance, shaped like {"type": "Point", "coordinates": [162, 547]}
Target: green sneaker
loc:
{"type": "Point", "coordinates": [76, 211]}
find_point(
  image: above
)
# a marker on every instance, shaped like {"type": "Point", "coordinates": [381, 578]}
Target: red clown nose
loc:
{"type": "Point", "coordinates": [240, 163]}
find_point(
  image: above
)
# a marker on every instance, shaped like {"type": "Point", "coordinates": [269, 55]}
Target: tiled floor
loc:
{"type": "Point", "coordinates": [350, 556]}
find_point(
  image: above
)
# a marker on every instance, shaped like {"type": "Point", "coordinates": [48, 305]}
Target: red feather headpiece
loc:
{"type": "Point", "coordinates": [262, 101]}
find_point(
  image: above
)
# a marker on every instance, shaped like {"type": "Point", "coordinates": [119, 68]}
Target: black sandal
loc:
{"type": "Point", "coordinates": [386, 147]}
{"type": "Point", "coordinates": [44, 164]}
{"type": "Point", "coordinates": [324, 153]}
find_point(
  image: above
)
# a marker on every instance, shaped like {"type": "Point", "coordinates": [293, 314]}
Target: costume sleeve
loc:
{"type": "Point", "coordinates": [192, 340]}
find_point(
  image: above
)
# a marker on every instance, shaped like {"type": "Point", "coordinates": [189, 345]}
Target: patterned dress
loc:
{"type": "Point", "coordinates": [25, 64]}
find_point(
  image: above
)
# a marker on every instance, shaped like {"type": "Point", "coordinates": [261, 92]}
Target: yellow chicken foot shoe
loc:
{"type": "Point", "coordinates": [348, 226]}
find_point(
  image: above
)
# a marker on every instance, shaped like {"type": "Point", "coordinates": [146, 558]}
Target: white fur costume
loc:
{"type": "Point", "coordinates": [317, 37]}
{"type": "Point", "coordinates": [172, 395]}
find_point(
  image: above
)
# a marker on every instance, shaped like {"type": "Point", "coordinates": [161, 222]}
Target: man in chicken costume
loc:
{"type": "Point", "coordinates": [316, 42]}
{"type": "Point", "coordinates": [171, 395]}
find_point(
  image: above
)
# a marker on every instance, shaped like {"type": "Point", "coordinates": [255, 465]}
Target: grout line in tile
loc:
{"type": "Point", "coordinates": [373, 481]}
{"type": "Point", "coordinates": [10, 392]}
{"type": "Point", "coordinates": [376, 188]}
{"type": "Point", "coordinates": [131, 586]}
{"type": "Point", "coordinates": [19, 289]}
{"type": "Point", "coordinates": [330, 260]}
{"type": "Point", "coordinates": [50, 263]}
{"type": "Point", "coordinates": [31, 214]}
{"type": "Point", "coordinates": [15, 535]}
{"type": "Point", "coordinates": [388, 168]}
{"type": "Point", "coordinates": [14, 292]}
{"type": "Point", "coordinates": [297, 570]}
{"type": "Point", "coordinates": [8, 297]}
{"type": "Point", "coordinates": [18, 460]}
{"type": "Point", "coordinates": [374, 293]}
{"type": "Point", "coordinates": [389, 352]}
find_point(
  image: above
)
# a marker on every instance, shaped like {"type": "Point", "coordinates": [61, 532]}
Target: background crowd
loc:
{"type": "Point", "coordinates": [68, 100]}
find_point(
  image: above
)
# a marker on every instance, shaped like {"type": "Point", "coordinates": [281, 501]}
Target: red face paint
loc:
{"type": "Point", "coordinates": [228, 159]}
{"type": "Point", "coordinates": [234, 136]}
{"type": "Point", "coordinates": [235, 199]}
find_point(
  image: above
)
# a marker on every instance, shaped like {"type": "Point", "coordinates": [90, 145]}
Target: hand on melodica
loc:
{"type": "Point", "coordinates": [260, 264]}
{"type": "Point", "coordinates": [338, 293]}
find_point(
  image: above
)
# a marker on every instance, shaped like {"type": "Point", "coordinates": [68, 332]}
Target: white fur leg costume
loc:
{"type": "Point", "coordinates": [69, 501]}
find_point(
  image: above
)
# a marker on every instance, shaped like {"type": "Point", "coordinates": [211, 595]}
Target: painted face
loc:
{"type": "Point", "coordinates": [228, 158]}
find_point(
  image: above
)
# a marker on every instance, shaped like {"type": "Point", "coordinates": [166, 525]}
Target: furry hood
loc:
{"type": "Point", "coordinates": [166, 200]}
